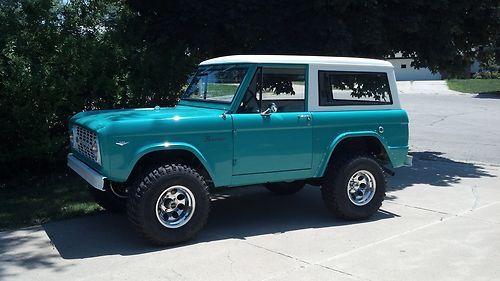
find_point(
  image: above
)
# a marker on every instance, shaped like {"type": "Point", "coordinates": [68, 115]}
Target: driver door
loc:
{"type": "Point", "coordinates": [272, 129]}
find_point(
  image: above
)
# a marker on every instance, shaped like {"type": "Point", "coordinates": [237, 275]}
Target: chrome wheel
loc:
{"type": "Point", "coordinates": [175, 206]}
{"type": "Point", "coordinates": [361, 187]}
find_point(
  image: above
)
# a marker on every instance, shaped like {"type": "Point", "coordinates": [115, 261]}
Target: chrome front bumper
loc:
{"type": "Point", "coordinates": [92, 177]}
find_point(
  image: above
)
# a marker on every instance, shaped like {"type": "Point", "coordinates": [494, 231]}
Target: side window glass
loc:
{"type": "Point", "coordinates": [285, 87]}
{"type": "Point", "coordinates": [353, 88]}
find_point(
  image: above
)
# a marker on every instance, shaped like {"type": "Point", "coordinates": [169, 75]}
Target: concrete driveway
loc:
{"type": "Point", "coordinates": [439, 221]}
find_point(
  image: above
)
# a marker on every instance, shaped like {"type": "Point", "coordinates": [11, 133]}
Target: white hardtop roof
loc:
{"type": "Point", "coordinates": [297, 60]}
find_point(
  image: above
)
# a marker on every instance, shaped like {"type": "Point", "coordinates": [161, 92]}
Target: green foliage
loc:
{"type": "Point", "coordinates": [443, 35]}
{"type": "Point", "coordinates": [487, 75]}
{"type": "Point", "coordinates": [59, 58]}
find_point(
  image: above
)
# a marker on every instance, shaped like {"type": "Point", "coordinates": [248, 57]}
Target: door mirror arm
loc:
{"type": "Point", "coordinates": [266, 112]}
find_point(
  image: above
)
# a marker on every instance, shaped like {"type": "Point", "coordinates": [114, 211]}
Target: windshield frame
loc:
{"type": "Point", "coordinates": [210, 103]}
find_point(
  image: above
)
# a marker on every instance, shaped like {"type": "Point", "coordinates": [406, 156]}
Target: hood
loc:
{"type": "Point", "coordinates": [99, 119]}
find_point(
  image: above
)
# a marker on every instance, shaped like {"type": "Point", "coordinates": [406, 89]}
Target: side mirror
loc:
{"type": "Point", "coordinates": [271, 109]}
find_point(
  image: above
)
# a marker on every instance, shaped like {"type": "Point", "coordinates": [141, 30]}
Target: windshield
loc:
{"type": "Point", "coordinates": [215, 83]}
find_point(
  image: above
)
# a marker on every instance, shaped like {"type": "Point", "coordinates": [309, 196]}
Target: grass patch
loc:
{"type": "Point", "coordinates": [216, 90]}
{"type": "Point", "coordinates": [36, 200]}
{"type": "Point", "coordinates": [474, 85]}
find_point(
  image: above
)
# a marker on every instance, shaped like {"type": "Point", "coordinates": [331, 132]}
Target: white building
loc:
{"type": "Point", "coordinates": [405, 72]}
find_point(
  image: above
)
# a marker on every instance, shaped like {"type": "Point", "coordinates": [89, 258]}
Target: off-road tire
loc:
{"type": "Point", "coordinates": [334, 187]}
{"type": "Point", "coordinates": [141, 204]}
{"type": "Point", "coordinates": [108, 200]}
{"type": "Point", "coordinates": [285, 188]}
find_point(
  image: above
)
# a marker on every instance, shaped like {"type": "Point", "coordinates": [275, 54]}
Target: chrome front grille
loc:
{"type": "Point", "coordinates": [86, 143]}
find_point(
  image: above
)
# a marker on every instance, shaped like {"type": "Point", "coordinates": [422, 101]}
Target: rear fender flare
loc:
{"type": "Point", "coordinates": [331, 148]}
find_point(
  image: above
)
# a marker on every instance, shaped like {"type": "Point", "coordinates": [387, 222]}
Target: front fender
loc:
{"type": "Point", "coordinates": [328, 154]}
{"type": "Point", "coordinates": [165, 147]}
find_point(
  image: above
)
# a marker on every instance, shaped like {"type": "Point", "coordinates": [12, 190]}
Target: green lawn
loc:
{"type": "Point", "coordinates": [218, 90]}
{"type": "Point", "coordinates": [474, 85]}
{"type": "Point", "coordinates": [31, 201]}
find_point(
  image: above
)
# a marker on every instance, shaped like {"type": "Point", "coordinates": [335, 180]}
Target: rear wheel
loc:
{"type": "Point", "coordinates": [169, 205]}
{"type": "Point", "coordinates": [354, 188]}
{"type": "Point", "coordinates": [285, 188]}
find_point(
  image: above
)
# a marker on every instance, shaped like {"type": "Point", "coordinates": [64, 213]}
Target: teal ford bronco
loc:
{"type": "Point", "coordinates": [280, 121]}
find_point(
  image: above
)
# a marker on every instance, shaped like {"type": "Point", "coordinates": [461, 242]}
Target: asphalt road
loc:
{"type": "Point", "coordinates": [439, 221]}
{"type": "Point", "coordinates": [461, 126]}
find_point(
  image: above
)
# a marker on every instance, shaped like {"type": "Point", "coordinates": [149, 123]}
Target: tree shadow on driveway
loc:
{"type": "Point", "coordinates": [433, 169]}
{"type": "Point", "coordinates": [19, 250]}
{"type": "Point", "coordinates": [488, 95]}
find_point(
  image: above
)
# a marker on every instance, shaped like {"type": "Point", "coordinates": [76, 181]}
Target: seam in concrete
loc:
{"type": "Point", "coordinates": [386, 239]}
{"type": "Point", "coordinates": [406, 232]}
{"type": "Point", "coordinates": [475, 194]}
{"type": "Point", "coordinates": [321, 263]}
{"type": "Point", "coordinates": [277, 252]}
{"type": "Point", "coordinates": [461, 215]}
{"type": "Point", "coordinates": [420, 208]}
{"type": "Point", "coordinates": [340, 271]}
{"type": "Point", "coordinates": [178, 274]}
{"type": "Point", "coordinates": [231, 262]}
{"type": "Point", "coordinates": [336, 270]}
{"type": "Point", "coordinates": [299, 260]}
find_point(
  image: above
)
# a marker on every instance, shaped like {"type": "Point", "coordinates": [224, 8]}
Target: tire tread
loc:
{"type": "Point", "coordinates": [145, 184]}
{"type": "Point", "coordinates": [331, 185]}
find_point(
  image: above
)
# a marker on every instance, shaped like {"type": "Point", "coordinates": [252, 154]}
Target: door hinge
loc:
{"type": "Point", "coordinates": [234, 162]}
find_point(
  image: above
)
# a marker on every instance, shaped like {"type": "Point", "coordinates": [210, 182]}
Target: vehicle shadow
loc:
{"type": "Point", "coordinates": [235, 214]}
{"type": "Point", "coordinates": [239, 213]}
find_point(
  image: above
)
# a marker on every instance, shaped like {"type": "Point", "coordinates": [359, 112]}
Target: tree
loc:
{"type": "Point", "coordinates": [54, 60]}
{"type": "Point", "coordinates": [61, 57]}
{"type": "Point", "coordinates": [440, 34]}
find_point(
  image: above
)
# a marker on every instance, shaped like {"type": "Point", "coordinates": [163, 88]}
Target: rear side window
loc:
{"type": "Point", "coordinates": [353, 88]}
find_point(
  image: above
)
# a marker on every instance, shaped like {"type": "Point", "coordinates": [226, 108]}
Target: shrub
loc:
{"type": "Point", "coordinates": [487, 75]}
{"type": "Point", "coordinates": [61, 57]}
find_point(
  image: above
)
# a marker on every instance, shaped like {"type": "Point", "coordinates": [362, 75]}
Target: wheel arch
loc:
{"type": "Point", "coordinates": [181, 152]}
{"type": "Point", "coordinates": [363, 142]}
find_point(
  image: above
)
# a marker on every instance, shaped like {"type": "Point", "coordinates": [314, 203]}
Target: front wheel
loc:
{"type": "Point", "coordinates": [169, 205]}
{"type": "Point", "coordinates": [354, 187]}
